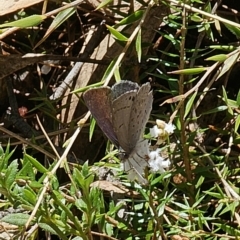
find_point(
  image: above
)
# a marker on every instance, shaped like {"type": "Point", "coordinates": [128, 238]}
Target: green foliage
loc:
{"type": "Point", "coordinates": [116, 34]}
{"type": "Point", "coordinates": [18, 219]}
{"type": "Point", "coordinates": [30, 21]}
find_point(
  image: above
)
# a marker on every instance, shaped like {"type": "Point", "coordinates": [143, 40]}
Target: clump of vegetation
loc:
{"type": "Point", "coordinates": [55, 182]}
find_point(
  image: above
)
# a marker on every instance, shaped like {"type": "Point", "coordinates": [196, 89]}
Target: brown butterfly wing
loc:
{"type": "Point", "coordinates": [99, 102]}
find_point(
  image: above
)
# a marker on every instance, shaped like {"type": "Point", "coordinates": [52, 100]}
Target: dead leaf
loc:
{"type": "Point", "coordinates": [113, 187]}
{"type": "Point", "coordinates": [174, 99]}
{"type": "Point", "coordinates": [10, 6]}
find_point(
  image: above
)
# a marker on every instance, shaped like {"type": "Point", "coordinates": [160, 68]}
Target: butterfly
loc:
{"type": "Point", "coordinates": [122, 113]}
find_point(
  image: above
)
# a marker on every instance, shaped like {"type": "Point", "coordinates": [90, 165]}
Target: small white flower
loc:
{"type": "Point", "coordinates": [154, 154]}
{"type": "Point", "coordinates": [155, 131]}
{"type": "Point", "coordinates": [161, 131]}
{"type": "Point", "coordinates": [157, 163]}
{"type": "Point", "coordinates": [169, 128]}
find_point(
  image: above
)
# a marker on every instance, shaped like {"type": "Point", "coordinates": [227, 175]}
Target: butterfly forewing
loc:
{"type": "Point", "coordinates": [141, 108]}
{"type": "Point", "coordinates": [121, 115]}
{"type": "Point", "coordinates": [99, 102]}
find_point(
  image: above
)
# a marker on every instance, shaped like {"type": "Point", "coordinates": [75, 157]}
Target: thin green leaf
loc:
{"type": "Point", "coordinates": [234, 30]}
{"type": "Point", "coordinates": [81, 205]}
{"type": "Point", "coordinates": [165, 63]}
{"type": "Point", "coordinates": [213, 194]}
{"type": "Point", "coordinates": [217, 109]}
{"type": "Point", "coordinates": [117, 74]}
{"type": "Point", "coordinates": [200, 182]}
{"type": "Point", "coordinates": [1, 151]}
{"type": "Point", "coordinates": [5, 157]}
{"type": "Point", "coordinates": [208, 8]}
{"type": "Point", "coordinates": [103, 3]}
{"type": "Point", "coordinates": [218, 58]}
{"type": "Point", "coordinates": [78, 177]}
{"type": "Point", "coordinates": [36, 164]}
{"type": "Point", "coordinates": [58, 20]}
{"type": "Point", "coordinates": [223, 47]}
{"type": "Point", "coordinates": [190, 71]}
{"type": "Point", "coordinates": [108, 70]}
{"type": "Point", "coordinates": [30, 21]}
{"type": "Point", "coordinates": [238, 98]}
{"type": "Point", "coordinates": [198, 1]}
{"type": "Point", "coordinates": [229, 207]}
{"type": "Point", "coordinates": [47, 228]}
{"type": "Point", "coordinates": [57, 199]}
{"type": "Point", "coordinates": [26, 170]}
{"type": "Point", "coordinates": [196, 18]}
{"type": "Point", "coordinates": [19, 219]}
{"type": "Point", "coordinates": [29, 196]}
{"type": "Point", "coordinates": [131, 19]}
{"type": "Point", "coordinates": [170, 54]}
{"type": "Point", "coordinates": [232, 104]}
{"type": "Point", "coordinates": [85, 169]}
{"type": "Point", "coordinates": [191, 80]}
{"type": "Point", "coordinates": [189, 104]}
{"type": "Point", "coordinates": [218, 209]}
{"type": "Point", "coordinates": [117, 34]}
{"type": "Point", "coordinates": [10, 174]}
{"type": "Point", "coordinates": [99, 84]}
{"type": "Point", "coordinates": [208, 31]}
{"type": "Point", "coordinates": [92, 127]}
{"type": "Point", "coordinates": [228, 229]}
{"type": "Point", "coordinates": [139, 45]}
{"type": "Point", "coordinates": [226, 100]}
{"type": "Point", "coordinates": [225, 95]}
{"type": "Point", "coordinates": [54, 223]}
{"type": "Point", "coordinates": [89, 180]}
{"type": "Point", "coordinates": [35, 185]}
{"type": "Point", "coordinates": [180, 205]}
{"type": "Point", "coordinates": [237, 124]}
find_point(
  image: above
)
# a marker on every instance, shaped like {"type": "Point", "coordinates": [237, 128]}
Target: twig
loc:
{"type": "Point", "coordinates": [103, 235]}
{"type": "Point", "coordinates": [54, 133]}
{"type": "Point", "coordinates": [24, 141]}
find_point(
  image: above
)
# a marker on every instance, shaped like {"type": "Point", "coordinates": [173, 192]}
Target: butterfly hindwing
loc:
{"type": "Point", "coordinates": [137, 162]}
